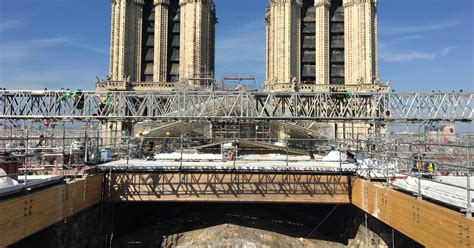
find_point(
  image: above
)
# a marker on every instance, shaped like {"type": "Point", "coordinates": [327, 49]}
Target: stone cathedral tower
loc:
{"type": "Point", "coordinates": [160, 44]}
{"type": "Point", "coordinates": [317, 45]}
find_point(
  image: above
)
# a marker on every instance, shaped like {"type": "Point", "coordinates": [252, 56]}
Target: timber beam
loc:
{"type": "Point", "coordinates": [427, 223]}
{"type": "Point", "coordinates": [23, 216]}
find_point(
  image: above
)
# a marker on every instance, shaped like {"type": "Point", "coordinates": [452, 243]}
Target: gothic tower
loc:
{"type": "Point", "coordinates": [156, 44]}
{"type": "Point", "coordinates": [317, 45]}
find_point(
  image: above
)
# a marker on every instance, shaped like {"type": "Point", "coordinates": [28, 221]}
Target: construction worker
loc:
{"type": "Point", "coordinates": [151, 146]}
{"type": "Point", "coordinates": [416, 163]}
{"type": "Point", "coordinates": [150, 151]}
{"type": "Point", "coordinates": [430, 168]}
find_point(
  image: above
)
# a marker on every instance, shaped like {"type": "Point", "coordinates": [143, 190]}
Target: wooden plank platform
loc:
{"type": "Point", "coordinates": [25, 215]}
{"type": "Point", "coordinates": [228, 187]}
{"type": "Point", "coordinates": [427, 223]}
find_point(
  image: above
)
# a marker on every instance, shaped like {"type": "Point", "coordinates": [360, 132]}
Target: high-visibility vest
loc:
{"type": "Point", "coordinates": [430, 167]}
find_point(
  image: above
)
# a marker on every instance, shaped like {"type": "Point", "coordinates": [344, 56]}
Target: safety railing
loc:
{"type": "Point", "coordinates": [69, 152]}
{"type": "Point", "coordinates": [424, 167]}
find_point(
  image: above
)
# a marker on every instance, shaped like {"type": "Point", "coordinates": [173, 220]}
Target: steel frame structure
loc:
{"type": "Point", "coordinates": [241, 106]}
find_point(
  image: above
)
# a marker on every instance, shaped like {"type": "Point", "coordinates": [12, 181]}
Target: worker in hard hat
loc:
{"type": "Point", "coordinates": [430, 169]}
{"type": "Point", "coordinates": [311, 144]}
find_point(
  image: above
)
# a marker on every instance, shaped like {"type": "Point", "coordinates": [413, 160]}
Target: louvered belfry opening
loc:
{"type": "Point", "coordinates": [173, 42]}
{"type": "Point", "coordinates": [308, 42]}
{"type": "Point", "coordinates": [148, 41]}
{"type": "Point", "coordinates": [336, 36]}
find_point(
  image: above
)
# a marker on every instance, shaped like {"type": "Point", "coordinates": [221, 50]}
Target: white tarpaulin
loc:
{"type": "Point", "coordinates": [6, 181]}
{"type": "Point", "coordinates": [455, 195]}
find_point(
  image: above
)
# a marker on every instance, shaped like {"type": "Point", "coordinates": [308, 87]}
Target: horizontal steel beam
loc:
{"type": "Point", "coordinates": [244, 106]}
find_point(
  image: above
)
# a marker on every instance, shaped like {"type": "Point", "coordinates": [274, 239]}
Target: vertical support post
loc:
{"type": "Point", "coordinates": [420, 160]}
{"type": "Point", "coordinates": [468, 188]}
{"type": "Point", "coordinates": [235, 155]}
{"type": "Point", "coordinates": [386, 161]}
{"type": "Point", "coordinates": [181, 152]}
{"type": "Point", "coordinates": [140, 148]}
{"type": "Point", "coordinates": [86, 147]}
{"type": "Point", "coordinates": [358, 144]}
{"type": "Point", "coordinates": [128, 149]}
{"type": "Point", "coordinates": [64, 147]}
{"type": "Point", "coordinates": [97, 149]}
{"type": "Point", "coordinates": [11, 137]}
{"type": "Point", "coordinates": [340, 159]}
{"type": "Point", "coordinates": [286, 148]}
{"type": "Point", "coordinates": [369, 155]}
{"type": "Point", "coordinates": [26, 159]}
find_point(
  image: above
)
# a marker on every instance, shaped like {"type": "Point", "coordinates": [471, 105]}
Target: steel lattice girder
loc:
{"type": "Point", "coordinates": [202, 106]}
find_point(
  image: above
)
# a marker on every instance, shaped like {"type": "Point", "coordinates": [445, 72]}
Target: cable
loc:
{"type": "Point", "coordinates": [327, 216]}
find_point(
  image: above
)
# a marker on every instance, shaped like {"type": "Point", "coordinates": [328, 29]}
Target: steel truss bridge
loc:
{"type": "Point", "coordinates": [236, 106]}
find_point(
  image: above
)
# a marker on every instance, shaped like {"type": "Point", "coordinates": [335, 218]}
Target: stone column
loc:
{"type": "Point", "coordinates": [194, 39]}
{"type": "Point", "coordinates": [268, 47]}
{"type": "Point", "coordinates": [114, 39]}
{"type": "Point", "coordinates": [296, 41]}
{"type": "Point", "coordinates": [283, 44]}
{"type": "Point", "coordinates": [137, 65]}
{"type": "Point", "coordinates": [375, 40]}
{"type": "Point", "coordinates": [322, 41]}
{"type": "Point", "coordinates": [122, 38]}
{"type": "Point", "coordinates": [348, 41]}
{"type": "Point", "coordinates": [369, 42]}
{"type": "Point", "coordinates": [361, 41]}
{"type": "Point", "coordinates": [161, 41]}
{"type": "Point", "coordinates": [186, 47]}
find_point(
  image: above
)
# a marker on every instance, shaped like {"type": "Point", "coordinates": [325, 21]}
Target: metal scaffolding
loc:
{"type": "Point", "coordinates": [246, 106]}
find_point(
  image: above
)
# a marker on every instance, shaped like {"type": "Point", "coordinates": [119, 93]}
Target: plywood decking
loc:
{"type": "Point", "coordinates": [427, 223]}
{"type": "Point", "coordinates": [23, 216]}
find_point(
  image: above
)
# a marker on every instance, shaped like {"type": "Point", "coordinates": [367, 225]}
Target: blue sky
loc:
{"type": "Point", "coordinates": [424, 44]}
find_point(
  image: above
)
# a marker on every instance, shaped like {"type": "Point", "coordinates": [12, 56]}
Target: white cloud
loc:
{"type": "Point", "coordinates": [447, 50]}
{"type": "Point", "coordinates": [401, 56]}
{"type": "Point", "coordinates": [422, 28]}
{"type": "Point", "coordinates": [89, 48]}
{"type": "Point", "coordinates": [53, 77]}
{"type": "Point", "coordinates": [19, 66]}
{"type": "Point", "coordinates": [407, 56]}
{"type": "Point", "coordinates": [18, 50]}
{"type": "Point", "coordinates": [397, 41]}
